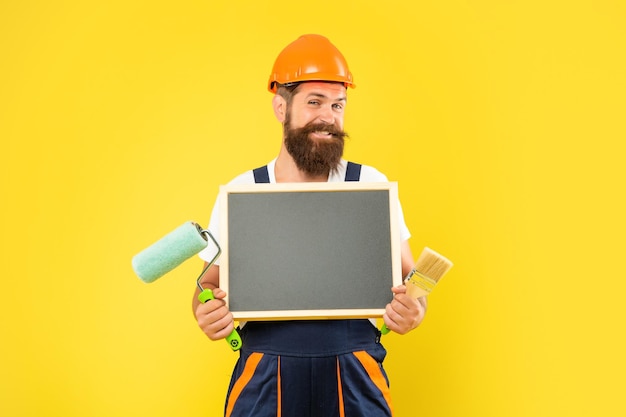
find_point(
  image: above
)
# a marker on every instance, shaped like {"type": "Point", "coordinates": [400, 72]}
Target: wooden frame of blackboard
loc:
{"type": "Point", "coordinates": [280, 244]}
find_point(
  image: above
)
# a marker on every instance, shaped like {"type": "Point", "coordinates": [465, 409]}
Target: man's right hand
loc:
{"type": "Point", "coordinates": [214, 317]}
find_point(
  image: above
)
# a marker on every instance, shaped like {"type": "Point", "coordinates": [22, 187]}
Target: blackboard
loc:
{"type": "Point", "coordinates": [309, 250]}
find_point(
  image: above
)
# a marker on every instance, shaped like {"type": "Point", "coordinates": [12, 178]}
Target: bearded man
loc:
{"type": "Point", "coordinates": [309, 368]}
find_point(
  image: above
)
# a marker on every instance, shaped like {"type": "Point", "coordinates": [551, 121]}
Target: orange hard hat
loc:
{"type": "Point", "coordinates": [310, 58]}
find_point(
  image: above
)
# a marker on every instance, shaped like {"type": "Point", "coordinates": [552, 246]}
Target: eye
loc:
{"type": "Point", "coordinates": [314, 102]}
{"type": "Point", "coordinates": [338, 106]}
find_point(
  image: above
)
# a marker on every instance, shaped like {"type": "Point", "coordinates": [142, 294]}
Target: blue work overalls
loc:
{"type": "Point", "coordinates": [309, 368]}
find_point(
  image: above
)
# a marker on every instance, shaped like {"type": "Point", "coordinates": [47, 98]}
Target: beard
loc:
{"type": "Point", "coordinates": [315, 157]}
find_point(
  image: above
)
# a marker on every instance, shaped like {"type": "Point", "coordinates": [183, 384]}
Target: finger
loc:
{"type": "Point", "coordinates": [206, 308]}
{"type": "Point", "coordinates": [395, 322]}
{"type": "Point", "coordinates": [402, 303]}
{"type": "Point", "coordinates": [409, 308]}
{"type": "Point", "coordinates": [400, 289]}
{"type": "Point", "coordinates": [221, 328]}
{"type": "Point", "coordinates": [219, 293]}
{"type": "Point", "coordinates": [392, 316]}
{"type": "Point", "coordinates": [217, 314]}
{"type": "Point", "coordinates": [391, 325]}
{"type": "Point", "coordinates": [216, 323]}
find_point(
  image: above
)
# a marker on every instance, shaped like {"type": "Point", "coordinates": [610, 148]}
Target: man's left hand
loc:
{"type": "Point", "coordinates": [404, 313]}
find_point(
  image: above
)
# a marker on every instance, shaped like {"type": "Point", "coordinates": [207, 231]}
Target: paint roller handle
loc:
{"type": "Point", "coordinates": [233, 339]}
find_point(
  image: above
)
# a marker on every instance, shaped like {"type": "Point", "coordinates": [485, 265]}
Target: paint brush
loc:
{"type": "Point", "coordinates": [428, 270]}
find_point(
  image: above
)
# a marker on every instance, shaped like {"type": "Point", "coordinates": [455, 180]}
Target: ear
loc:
{"type": "Point", "coordinates": [280, 108]}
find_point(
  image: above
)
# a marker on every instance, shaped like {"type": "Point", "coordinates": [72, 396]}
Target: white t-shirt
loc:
{"type": "Point", "coordinates": [368, 174]}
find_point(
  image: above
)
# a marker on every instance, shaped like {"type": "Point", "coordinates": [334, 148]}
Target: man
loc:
{"type": "Point", "coordinates": [320, 368]}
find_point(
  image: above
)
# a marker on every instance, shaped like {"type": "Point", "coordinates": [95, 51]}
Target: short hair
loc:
{"type": "Point", "coordinates": [287, 91]}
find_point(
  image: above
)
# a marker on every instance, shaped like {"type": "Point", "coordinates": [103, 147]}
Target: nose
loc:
{"type": "Point", "coordinates": [326, 115]}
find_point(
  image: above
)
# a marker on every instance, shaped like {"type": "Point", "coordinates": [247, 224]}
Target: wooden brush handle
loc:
{"type": "Point", "coordinates": [414, 290]}
{"type": "Point", "coordinates": [418, 285]}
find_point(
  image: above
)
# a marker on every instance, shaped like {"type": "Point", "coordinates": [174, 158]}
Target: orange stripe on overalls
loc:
{"type": "Point", "coordinates": [246, 376]}
{"type": "Point", "coordinates": [377, 377]}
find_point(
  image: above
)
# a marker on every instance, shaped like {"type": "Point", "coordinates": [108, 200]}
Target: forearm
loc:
{"type": "Point", "coordinates": [208, 280]}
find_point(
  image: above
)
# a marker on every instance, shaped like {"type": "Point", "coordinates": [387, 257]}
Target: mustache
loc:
{"type": "Point", "coordinates": [311, 127]}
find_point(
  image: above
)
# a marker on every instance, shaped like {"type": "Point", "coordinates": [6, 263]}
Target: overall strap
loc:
{"type": "Point", "coordinates": [353, 171]}
{"type": "Point", "coordinates": [261, 175]}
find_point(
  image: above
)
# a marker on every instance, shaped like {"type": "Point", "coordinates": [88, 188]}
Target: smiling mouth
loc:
{"type": "Point", "coordinates": [323, 134]}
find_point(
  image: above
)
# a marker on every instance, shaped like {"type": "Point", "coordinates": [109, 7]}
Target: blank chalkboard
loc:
{"type": "Point", "coordinates": [309, 250]}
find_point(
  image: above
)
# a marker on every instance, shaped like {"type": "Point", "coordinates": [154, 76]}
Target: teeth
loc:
{"type": "Point", "coordinates": [323, 133]}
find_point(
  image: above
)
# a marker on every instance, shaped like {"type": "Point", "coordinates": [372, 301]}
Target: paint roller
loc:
{"type": "Point", "coordinates": [172, 250]}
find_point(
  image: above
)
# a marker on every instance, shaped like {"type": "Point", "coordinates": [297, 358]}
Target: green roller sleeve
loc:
{"type": "Point", "coordinates": [233, 339]}
{"type": "Point", "coordinates": [170, 251]}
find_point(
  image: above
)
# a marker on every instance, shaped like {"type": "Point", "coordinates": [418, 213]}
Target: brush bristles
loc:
{"type": "Point", "coordinates": [432, 264]}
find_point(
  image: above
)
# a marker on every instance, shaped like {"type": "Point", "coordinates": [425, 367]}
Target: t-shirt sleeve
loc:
{"type": "Point", "coordinates": [210, 251]}
{"type": "Point", "coordinates": [207, 254]}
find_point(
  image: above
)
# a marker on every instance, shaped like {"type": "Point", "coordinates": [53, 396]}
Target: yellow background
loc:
{"type": "Point", "coordinates": [502, 121]}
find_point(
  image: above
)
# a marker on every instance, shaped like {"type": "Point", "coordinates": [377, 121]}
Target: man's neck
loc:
{"type": "Point", "coordinates": [286, 170]}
